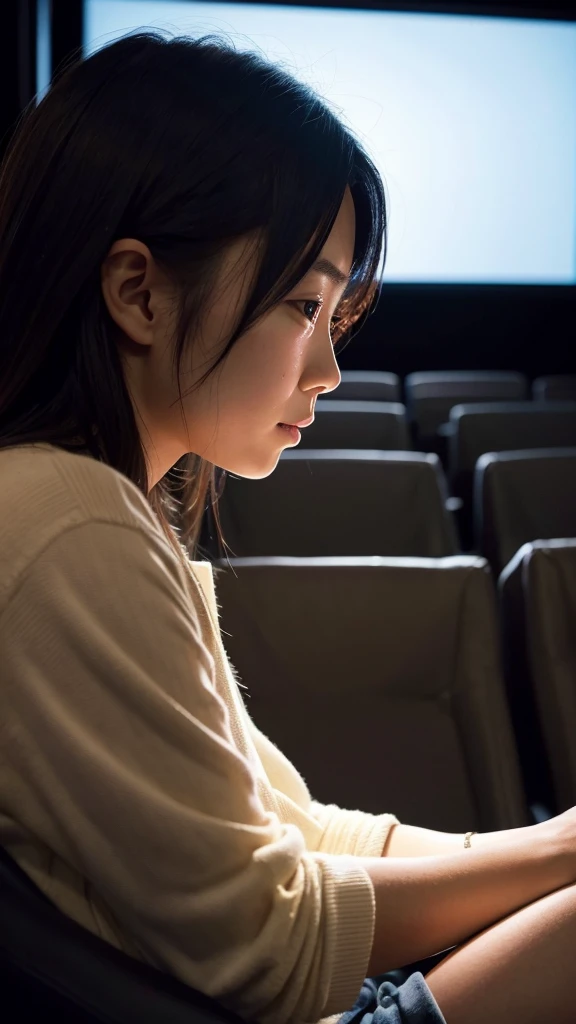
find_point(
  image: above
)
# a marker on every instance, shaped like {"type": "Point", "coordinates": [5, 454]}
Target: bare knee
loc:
{"type": "Point", "coordinates": [520, 969]}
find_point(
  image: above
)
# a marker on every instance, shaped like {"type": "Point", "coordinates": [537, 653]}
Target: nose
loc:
{"type": "Point", "coordinates": [335, 377]}
{"type": "Point", "coordinates": [321, 373]}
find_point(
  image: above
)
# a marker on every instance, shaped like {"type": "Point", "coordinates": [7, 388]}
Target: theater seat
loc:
{"type": "Point", "coordinates": [430, 395]}
{"type": "Point", "coordinates": [523, 496]}
{"type": "Point", "coordinates": [53, 969]}
{"type": "Point", "coordinates": [496, 427]}
{"type": "Point", "coordinates": [358, 425]}
{"type": "Point", "coordinates": [341, 502]}
{"type": "Point", "coordinates": [558, 387]}
{"type": "Point", "coordinates": [380, 679]}
{"type": "Point", "coordinates": [538, 595]}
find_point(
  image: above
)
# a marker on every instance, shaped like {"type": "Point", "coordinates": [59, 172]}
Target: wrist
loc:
{"type": "Point", "coordinates": [558, 842]}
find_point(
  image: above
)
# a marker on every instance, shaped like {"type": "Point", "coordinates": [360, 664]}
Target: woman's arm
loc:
{"type": "Point", "coordinates": [429, 903]}
{"type": "Point", "coordinates": [413, 841]}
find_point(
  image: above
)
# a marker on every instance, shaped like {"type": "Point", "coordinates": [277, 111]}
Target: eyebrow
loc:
{"type": "Point", "coordinates": [327, 268]}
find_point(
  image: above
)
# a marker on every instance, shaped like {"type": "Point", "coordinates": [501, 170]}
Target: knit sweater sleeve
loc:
{"type": "Point", "coordinates": [112, 722]}
{"type": "Point", "coordinates": [346, 831]}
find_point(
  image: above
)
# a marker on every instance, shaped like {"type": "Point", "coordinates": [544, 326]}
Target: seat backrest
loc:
{"type": "Point", "coordinates": [508, 426]}
{"type": "Point", "coordinates": [366, 386]}
{"type": "Point", "coordinates": [381, 679]}
{"type": "Point", "coordinates": [431, 394]}
{"type": "Point", "coordinates": [53, 965]}
{"type": "Point", "coordinates": [539, 586]}
{"type": "Point", "coordinates": [557, 387]}
{"type": "Point", "coordinates": [341, 502]}
{"type": "Point", "coordinates": [521, 496]}
{"type": "Point", "coordinates": [503, 426]}
{"type": "Point", "coordinates": [373, 425]}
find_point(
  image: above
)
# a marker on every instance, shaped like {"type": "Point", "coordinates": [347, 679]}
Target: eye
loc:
{"type": "Point", "coordinates": [309, 302]}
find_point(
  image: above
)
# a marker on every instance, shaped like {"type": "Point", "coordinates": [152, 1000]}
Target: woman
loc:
{"type": "Point", "coordinates": [174, 212]}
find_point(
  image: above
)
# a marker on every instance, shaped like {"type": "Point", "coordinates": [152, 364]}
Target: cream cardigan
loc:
{"type": "Point", "coordinates": [135, 790]}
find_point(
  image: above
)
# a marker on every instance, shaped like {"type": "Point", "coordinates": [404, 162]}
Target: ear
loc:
{"type": "Point", "coordinates": [131, 288]}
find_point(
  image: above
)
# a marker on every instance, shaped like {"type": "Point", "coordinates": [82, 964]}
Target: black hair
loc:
{"type": "Point", "coordinates": [186, 144]}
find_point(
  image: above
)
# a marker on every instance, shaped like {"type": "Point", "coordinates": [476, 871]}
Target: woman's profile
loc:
{"type": "Point", "coordinates": [187, 234]}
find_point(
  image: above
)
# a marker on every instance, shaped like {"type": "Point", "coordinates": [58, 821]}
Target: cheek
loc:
{"type": "Point", "coordinates": [265, 366]}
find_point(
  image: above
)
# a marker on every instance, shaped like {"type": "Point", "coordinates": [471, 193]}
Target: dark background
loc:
{"type": "Point", "coordinates": [415, 326]}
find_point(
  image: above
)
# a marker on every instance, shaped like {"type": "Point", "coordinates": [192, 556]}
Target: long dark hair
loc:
{"type": "Point", "coordinates": [186, 144]}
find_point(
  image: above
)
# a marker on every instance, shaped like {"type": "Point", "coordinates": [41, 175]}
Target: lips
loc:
{"type": "Point", "coordinates": [301, 423]}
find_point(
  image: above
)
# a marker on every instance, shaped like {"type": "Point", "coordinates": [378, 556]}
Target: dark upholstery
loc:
{"type": "Point", "coordinates": [397, 664]}
{"type": "Point", "coordinates": [538, 595]}
{"type": "Point", "coordinates": [52, 969]}
{"type": "Point", "coordinates": [371, 425]}
{"type": "Point", "coordinates": [431, 394]}
{"type": "Point", "coordinates": [557, 387]}
{"type": "Point", "coordinates": [341, 502]}
{"type": "Point", "coordinates": [523, 496]}
{"type": "Point", "coordinates": [366, 386]}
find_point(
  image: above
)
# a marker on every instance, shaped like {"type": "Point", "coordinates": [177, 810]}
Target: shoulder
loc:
{"type": "Point", "coordinates": [46, 491]}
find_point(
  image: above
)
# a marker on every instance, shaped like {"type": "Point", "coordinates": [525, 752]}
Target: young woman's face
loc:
{"type": "Point", "coordinates": [273, 374]}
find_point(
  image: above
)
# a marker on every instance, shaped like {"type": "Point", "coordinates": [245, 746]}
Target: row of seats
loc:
{"type": "Point", "coordinates": [429, 396]}
{"type": "Point", "coordinates": [472, 428]}
{"type": "Point", "coordinates": [388, 503]}
{"type": "Point", "coordinates": [400, 664]}
{"type": "Point", "coordinates": [472, 431]}
{"type": "Point", "coordinates": [457, 385]}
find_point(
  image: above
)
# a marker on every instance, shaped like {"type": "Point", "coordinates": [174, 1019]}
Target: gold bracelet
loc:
{"type": "Point", "coordinates": [467, 838]}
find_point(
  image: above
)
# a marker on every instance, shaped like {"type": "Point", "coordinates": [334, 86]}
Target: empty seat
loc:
{"type": "Point", "coordinates": [341, 502]}
{"type": "Point", "coordinates": [381, 679]}
{"type": "Point", "coordinates": [501, 426]}
{"type": "Point", "coordinates": [522, 496]}
{"type": "Point", "coordinates": [358, 425]}
{"type": "Point", "coordinates": [431, 395]}
{"type": "Point", "coordinates": [366, 386]}
{"type": "Point", "coordinates": [557, 387]}
{"type": "Point", "coordinates": [538, 594]}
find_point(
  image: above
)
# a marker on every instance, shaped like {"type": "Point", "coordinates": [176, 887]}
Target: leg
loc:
{"type": "Point", "coordinates": [520, 970]}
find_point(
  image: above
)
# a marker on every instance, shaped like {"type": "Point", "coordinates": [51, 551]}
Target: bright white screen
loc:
{"type": "Point", "coordinates": [470, 120]}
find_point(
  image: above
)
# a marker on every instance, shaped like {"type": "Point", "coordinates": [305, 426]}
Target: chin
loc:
{"type": "Point", "coordinates": [250, 470]}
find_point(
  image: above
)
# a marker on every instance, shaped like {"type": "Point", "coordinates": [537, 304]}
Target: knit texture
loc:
{"type": "Point", "coordinates": [135, 790]}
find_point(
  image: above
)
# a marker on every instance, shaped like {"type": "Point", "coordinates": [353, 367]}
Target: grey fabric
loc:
{"type": "Point", "coordinates": [520, 690]}
{"type": "Point", "coordinates": [366, 386]}
{"type": "Point", "coordinates": [341, 502]}
{"type": "Point", "coordinates": [557, 387]}
{"type": "Point", "coordinates": [546, 571]}
{"type": "Point", "coordinates": [522, 496]}
{"type": "Point", "coordinates": [431, 394]}
{"type": "Point", "coordinates": [372, 425]}
{"type": "Point", "coordinates": [397, 660]}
